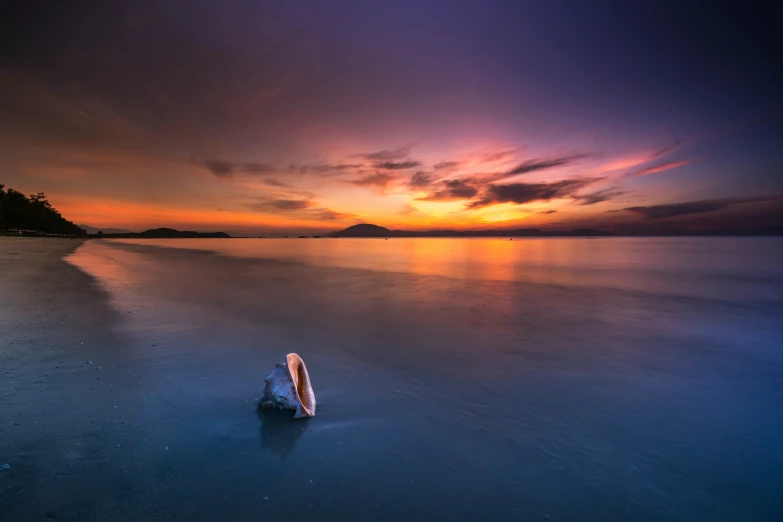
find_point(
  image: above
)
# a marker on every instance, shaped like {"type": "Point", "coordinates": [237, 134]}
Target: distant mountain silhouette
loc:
{"type": "Point", "coordinates": [95, 230]}
{"type": "Point", "coordinates": [166, 233]}
{"type": "Point", "coordinates": [364, 230]}
{"type": "Point", "coordinates": [368, 230]}
{"type": "Point", "coordinates": [33, 215]}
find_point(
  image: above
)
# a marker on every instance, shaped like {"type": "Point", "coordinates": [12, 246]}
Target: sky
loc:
{"type": "Point", "coordinates": [256, 117]}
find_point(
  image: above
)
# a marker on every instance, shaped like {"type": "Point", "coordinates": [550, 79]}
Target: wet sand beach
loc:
{"type": "Point", "coordinates": [62, 382]}
{"type": "Point", "coordinates": [456, 380]}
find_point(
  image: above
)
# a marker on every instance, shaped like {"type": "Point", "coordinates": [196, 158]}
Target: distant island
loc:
{"type": "Point", "coordinates": [95, 230]}
{"type": "Point", "coordinates": [162, 233]}
{"type": "Point", "coordinates": [368, 230]}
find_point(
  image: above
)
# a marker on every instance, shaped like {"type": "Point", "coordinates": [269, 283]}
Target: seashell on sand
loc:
{"type": "Point", "coordinates": [288, 388]}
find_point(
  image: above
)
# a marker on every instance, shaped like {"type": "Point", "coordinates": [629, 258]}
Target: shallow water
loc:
{"type": "Point", "coordinates": [563, 379]}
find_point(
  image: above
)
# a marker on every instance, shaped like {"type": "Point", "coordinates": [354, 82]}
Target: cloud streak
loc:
{"type": "Point", "coordinates": [453, 189]}
{"type": "Point", "coordinates": [394, 159]}
{"type": "Point", "coordinates": [256, 168]}
{"type": "Point", "coordinates": [538, 164]}
{"type": "Point", "coordinates": [224, 169]}
{"type": "Point", "coordinates": [396, 165]}
{"type": "Point", "coordinates": [661, 167]}
{"type": "Point", "coordinates": [420, 180]}
{"type": "Point", "coordinates": [446, 165]}
{"type": "Point", "coordinates": [520, 193]}
{"type": "Point", "coordinates": [666, 211]}
{"type": "Point", "coordinates": [281, 205]}
{"type": "Point", "coordinates": [324, 168]}
{"type": "Point", "coordinates": [500, 155]}
{"type": "Point", "coordinates": [667, 149]}
{"type": "Point", "coordinates": [300, 208]}
{"type": "Point", "coordinates": [378, 179]}
{"type": "Point", "coordinates": [220, 168]}
{"type": "Point", "coordinates": [598, 196]}
{"type": "Point", "coordinates": [385, 155]}
{"type": "Point", "coordinates": [290, 204]}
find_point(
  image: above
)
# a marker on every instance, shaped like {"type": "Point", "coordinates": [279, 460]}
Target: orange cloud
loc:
{"type": "Point", "coordinates": [100, 212]}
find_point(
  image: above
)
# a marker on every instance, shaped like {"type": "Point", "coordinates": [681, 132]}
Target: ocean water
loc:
{"type": "Point", "coordinates": [564, 379]}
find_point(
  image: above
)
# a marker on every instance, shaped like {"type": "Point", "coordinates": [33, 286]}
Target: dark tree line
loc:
{"type": "Point", "coordinates": [32, 212]}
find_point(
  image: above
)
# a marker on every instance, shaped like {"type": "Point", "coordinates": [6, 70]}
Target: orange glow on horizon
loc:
{"type": "Point", "coordinates": [117, 214]}
{"type": "Point", "coordinates": [186, 195]}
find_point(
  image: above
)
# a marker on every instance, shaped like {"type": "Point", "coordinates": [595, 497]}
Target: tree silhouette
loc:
{"type": "Point", "coordinates": [33, 212]}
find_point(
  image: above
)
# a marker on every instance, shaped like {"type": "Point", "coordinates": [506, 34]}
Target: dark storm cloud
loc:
{"type": "Point", "coordinates": [535, 165]}
{"type": "Point", "coordinates": [598, 196]}
{"type": "Point", "coordinates": [452, 189]}
{"type": "Point", "coordinates": [691, 207]}
{"type": "Point", "coordinates": [526, 192]}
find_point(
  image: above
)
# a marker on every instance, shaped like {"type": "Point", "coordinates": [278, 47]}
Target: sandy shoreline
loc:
{"type": "Point", "coordinates": [94, 426]}
{"type": "Point", "coordinates": [61, 380]}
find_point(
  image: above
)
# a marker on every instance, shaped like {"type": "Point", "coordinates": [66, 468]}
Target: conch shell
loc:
{"type": "Point", "coordinates": [288, 388]}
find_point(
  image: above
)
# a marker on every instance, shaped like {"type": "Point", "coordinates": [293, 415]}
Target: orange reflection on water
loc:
{"type": "Point", "coordinates": [100, 261]}
{"type": "Point", "coordinates": [548, 260]}
{"type": "Point", "coordinates": [668, 265]}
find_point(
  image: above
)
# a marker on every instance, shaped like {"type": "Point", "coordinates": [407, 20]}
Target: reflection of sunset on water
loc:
{"type": "Point", "coordinates": [604, 262]}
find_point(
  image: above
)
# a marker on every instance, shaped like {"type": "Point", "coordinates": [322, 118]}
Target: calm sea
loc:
{"type": "Point", "coordinates": [616, 379]}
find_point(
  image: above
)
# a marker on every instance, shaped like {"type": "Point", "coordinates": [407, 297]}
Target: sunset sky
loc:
{"type": "Point", "coordinates": [257, 117]}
